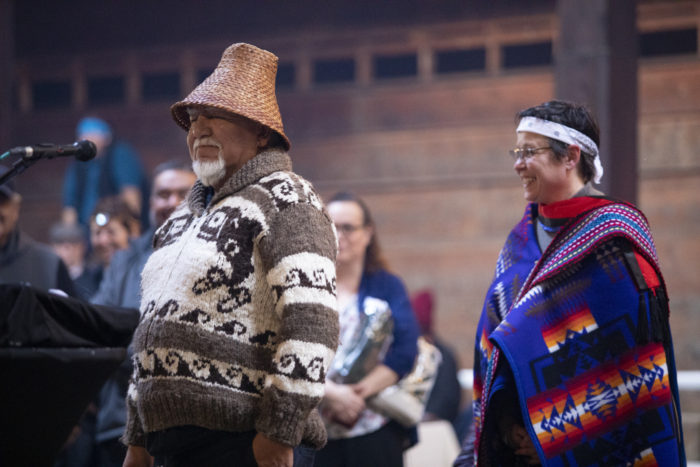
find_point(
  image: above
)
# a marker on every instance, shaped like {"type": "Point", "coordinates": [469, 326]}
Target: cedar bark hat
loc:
{"type": "Point", "coordinates": [243, 83]}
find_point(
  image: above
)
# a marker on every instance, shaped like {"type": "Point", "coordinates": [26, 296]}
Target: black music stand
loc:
{"type": "Point", "coordinates": [55, 354]}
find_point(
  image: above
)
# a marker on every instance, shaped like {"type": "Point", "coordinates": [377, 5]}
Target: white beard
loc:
{"type": "Point", "coordinates": [209, 173]}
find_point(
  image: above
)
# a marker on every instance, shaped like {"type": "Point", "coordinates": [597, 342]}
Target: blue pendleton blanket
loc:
{"type": "Point", "coordinates": [582, 341]}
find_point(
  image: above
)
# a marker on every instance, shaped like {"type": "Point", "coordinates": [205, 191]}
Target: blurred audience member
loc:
{"type": "Point", "coordinates": [70, 244]}
{"type": "Point", "coordinates": [112, 224]}
{"type": "Point", "coordinates": [358, 435]}
{"type": "Point", "coordinates": [171, 182]}
{"type": "Point", "coordinates": [121, 287]}
{"type": "Point", "coordinates": [115, 171]}
{"type": "Point", "coordinates": [21, 258]}
{"type": "Point", "coordinates": [79, 449]}
{"type": "Point", "coordinates": [445, 398]}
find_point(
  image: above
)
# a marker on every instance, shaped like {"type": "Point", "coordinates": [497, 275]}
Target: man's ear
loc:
{"type": "Point", "coordinates": [264, 135]}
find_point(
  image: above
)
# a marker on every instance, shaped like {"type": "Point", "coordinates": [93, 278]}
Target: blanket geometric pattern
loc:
{"type": "Point", "coordinates": [596, 385]}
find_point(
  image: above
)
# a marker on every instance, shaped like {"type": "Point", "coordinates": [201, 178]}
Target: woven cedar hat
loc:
{"type": "Point", "coordinates": [242, 83]}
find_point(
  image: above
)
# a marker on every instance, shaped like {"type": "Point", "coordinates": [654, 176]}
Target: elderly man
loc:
{"type": "Point", "coordinates": [238, 323]}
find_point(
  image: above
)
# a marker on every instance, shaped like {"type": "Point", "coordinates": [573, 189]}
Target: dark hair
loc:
{"type": "Point", "coordinates": [173, 164]}
{"type": "Point", "coordinates": [276, 141]}
{"type": "Point", "coordinates": [62, 232]}
{"type": "Point", "coordinates": [116, 208]}
{"type": "Point", "coordinates": [374, 259]}
{"type": "Point", "coordinates": [574, 116]}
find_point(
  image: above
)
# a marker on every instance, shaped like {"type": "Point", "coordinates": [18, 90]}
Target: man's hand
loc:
{"type": "Point", "coordinates": [137, 456]}
{"type": "Point", "coordinates": [270, 453]}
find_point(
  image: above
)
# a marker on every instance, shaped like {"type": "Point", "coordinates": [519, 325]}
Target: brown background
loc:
{"type": "Point", "coordinates": [427, 152]}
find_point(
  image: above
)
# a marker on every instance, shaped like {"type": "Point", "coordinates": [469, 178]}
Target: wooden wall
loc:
{"type": "Point", "coordinates": [428, 153]}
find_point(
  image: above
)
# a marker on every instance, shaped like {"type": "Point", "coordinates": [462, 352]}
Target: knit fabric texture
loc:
{"type": "Point", "coordinates": [239, 322]}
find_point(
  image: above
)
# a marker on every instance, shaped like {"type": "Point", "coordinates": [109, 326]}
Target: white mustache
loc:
{"type": "Point", "coordinates": [205, 141]}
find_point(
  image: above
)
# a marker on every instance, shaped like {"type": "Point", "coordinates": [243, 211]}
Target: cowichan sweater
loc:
{"type": "Point", "coordinates": [239, 323]}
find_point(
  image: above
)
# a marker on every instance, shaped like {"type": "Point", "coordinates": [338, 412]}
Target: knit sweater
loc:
{"type": "Point", "coordinates": [239, 323]}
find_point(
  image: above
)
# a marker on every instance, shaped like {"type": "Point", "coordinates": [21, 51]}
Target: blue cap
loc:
{"type": "Point", "coordinates": [92, 125]}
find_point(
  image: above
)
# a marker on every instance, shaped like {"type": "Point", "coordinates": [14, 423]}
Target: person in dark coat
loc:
{"type": "Point", "coordinates": [22, 259]}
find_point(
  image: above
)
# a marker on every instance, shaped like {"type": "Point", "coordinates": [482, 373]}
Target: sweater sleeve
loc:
{"type": "Point", "coordinates": [298, 253]}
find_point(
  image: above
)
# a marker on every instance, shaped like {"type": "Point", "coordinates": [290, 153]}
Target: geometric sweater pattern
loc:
{"type": "Point", "coordinates": [238, 312]}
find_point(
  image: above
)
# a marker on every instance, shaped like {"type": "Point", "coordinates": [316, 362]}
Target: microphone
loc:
{"type": "Point", "coordinates": [82, 150]}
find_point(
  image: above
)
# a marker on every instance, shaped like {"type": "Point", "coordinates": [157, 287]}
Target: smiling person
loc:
{"type": "Point", "coordinates": [112, 225]}
{"type": "Point", "coordinates": [573, 349]}
{"type": "Point", "coordinates": [238, 302]}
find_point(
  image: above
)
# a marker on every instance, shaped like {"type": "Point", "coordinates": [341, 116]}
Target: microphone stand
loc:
{"type": "Point", "coordinates": [18, 167]}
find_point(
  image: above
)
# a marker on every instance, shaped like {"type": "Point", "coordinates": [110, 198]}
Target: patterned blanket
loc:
{"type": "Point", "coordinates": [586, 340]}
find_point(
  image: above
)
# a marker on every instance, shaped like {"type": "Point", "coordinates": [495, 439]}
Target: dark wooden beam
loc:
{"type": "Point", "coordinates": [596, 65]}
{"type": "Point", "coordinates": [7, 65]}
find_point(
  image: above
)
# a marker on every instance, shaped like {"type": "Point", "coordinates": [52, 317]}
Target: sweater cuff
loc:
{"type": "Point", "coordinates": [133, 433]}
{"type": "Point", "coordinates": [283, 416]}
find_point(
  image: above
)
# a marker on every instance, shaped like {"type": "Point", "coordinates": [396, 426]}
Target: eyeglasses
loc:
{"type": "Point", "coordinates": [525, 153]}
{"type": "Point", "coordinates": [347, 229]}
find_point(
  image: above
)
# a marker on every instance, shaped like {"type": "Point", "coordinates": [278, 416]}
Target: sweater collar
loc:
{"type": "Point", "coordinates": [263, 164]}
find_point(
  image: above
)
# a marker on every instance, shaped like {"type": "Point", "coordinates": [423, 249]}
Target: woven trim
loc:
{"type": "Point", "coordinates": [615, 220]}
{"type": "Point", "coordinates": [585, 232]}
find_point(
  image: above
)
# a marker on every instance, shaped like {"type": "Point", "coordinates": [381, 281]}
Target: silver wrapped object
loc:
{"type": "Point", "coordinates": [368, 345]}
{"type": "Point", "coordinates": [405, 401]}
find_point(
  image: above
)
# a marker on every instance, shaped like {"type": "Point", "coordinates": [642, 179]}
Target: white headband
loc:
{"type": "Point", "coordinates": [566, 135]}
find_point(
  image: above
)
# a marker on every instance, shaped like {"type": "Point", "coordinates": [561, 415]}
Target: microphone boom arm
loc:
{"type": "Point", "coordinates": [28, 155]}
{"type": "Point", "coordinates": [17, 168]}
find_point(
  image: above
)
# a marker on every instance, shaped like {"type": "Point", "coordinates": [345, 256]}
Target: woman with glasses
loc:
{"type": "Point", "coordinates": [358, 435]}
{"type": "Point", "coordinates": [573, 359]}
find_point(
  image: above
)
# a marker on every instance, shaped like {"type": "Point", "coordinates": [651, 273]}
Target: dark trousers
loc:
{"type": "Point", "coordinates": [382, 448]}
{"type": "Point", "coordinates": [192, 446]}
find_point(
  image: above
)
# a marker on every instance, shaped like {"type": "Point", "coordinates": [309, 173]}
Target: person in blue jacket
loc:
{"type": "Point", "coordinates": [358, 435]}
{"type": "Point", "coordinates": [117, 170]}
